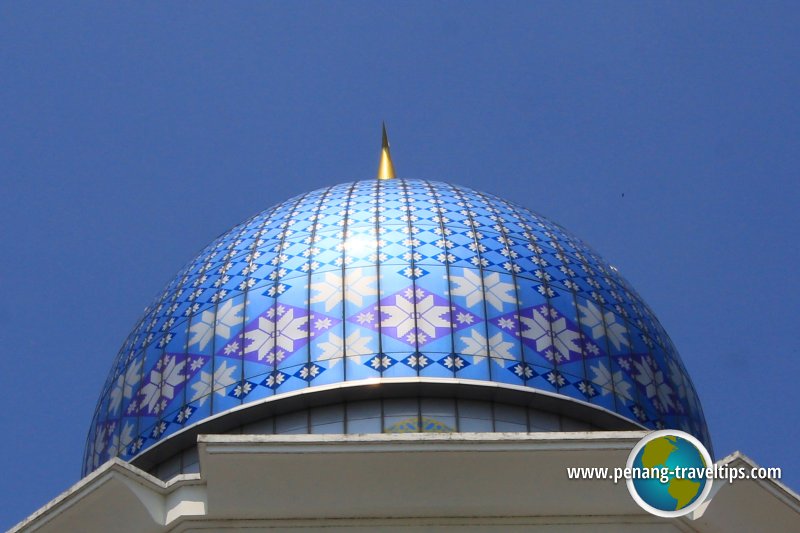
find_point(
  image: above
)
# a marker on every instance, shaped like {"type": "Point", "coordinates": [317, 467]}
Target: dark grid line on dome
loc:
{"type": "Point", "coordinates": [186, 378]}
{"type": "Point", "coordinates": [345, 230]}
{"type": "Point", "coordinates": [654, 402]}
{"type": "Point", "coordinates": [637, 400]}
{"type": "Point", "coordinates": [161, 352]}
{"type": "Point", "coordinates": [405, 201]}
{"type": "Point", "coordinates": [162, 362]}
{"type": "Point", "coordinates": [474, 234]}
{"type": "Point", "coordinates": [141, 373]}
{"type": "Point", "coordinates": [606, 328]}
{"type": "Point", "coordinates": [318, 207]}
{"type": "Point", "coordinates": [276, 294]}
{"type": "Point", "coordinates": [99, 429]}
{"type": "Point", "coordinates": [587, 380]}
{"type": "Point", "coordinates": [378, 191]}
{"type": "Point", "coordinates": [554, 377]}
{"type": "Point", "coordinates": [446, 250]}
{"type": "Point", "coordinates": [90, 444]}
{"type": "Point", "coordinates": [246, 286]}
{"type": "Point", "coordinates": [137, 376]}
{"type": "Point", "coordinates": [690, 393]}
{"type": "Point", "coordinates": [611, 367]}
{"type": "Point", "coordinates": [214, 324]}
{"type": "Point", "coordinates": [524, 368]}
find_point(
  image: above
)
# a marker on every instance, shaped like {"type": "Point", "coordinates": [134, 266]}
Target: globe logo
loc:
{"type": "Point", "coordinates": [670, 473]}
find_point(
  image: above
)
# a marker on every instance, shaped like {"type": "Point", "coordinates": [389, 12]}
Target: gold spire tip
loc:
{"type": "Point", "coordinates": [385, 167]}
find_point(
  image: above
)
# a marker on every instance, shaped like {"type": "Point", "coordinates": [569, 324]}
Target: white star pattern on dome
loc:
{"type": "Point", "coordinates": [539, 328]}
{"type": "Point", "coordinates": [126, 437]}
{"type": "Point", "coordinates": [425, 315]}
{"type": "Point", "coordinates": [357, 287]}
{"type": "Point", "coordinates": [273, 338]}
{"type": "Point", "coordinates": [333, 348]}
{"type": "Point", "coordinates": [469, 285]}
{"type": "Point", "coordinates": [123, 388]}
{"type": "Point", "coordinates": [227, 317]}
{"type": "Point", "coordinates": [162, 383]}
{"type": "Point", "coordinates": [608, 381]}
{"type": "Point", "coordinates": [99, 444]}
{"type": "Point", "coordinates": [477, 346]}
{"type": "Point", "coordinates": [593, 318]}
{"type": "Point", "coordinates": [223, 377]}
{"type": "Point", "coordinates": [676, 376]}
{"type": "Point", "coordinates": [655, 386]}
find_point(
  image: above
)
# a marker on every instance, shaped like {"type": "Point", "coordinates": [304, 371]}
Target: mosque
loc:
{"type": "Point", "coordinates": [392, 354]}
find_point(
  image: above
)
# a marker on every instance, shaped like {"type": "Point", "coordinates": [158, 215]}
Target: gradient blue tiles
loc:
{"type": "Point", "coordinates": [397, 278]}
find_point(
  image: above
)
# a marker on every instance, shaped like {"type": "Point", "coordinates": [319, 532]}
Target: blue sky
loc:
{"type": "Point", "coordinates": [666, 135]}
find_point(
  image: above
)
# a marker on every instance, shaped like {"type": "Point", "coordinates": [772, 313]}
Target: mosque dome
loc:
{"type": "Point", "coordinates": [420, 287]}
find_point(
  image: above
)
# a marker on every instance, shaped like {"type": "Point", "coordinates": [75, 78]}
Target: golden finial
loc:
{"type": "Point", "coordinates": [385, 167]}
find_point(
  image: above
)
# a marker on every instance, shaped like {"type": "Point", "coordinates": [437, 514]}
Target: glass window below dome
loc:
{"type": "Point", "coordinates": [392, 415]}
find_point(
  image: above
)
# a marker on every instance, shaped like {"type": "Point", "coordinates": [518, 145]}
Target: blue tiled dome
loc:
{"type": "Point", "coordinates": [389, 279]}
